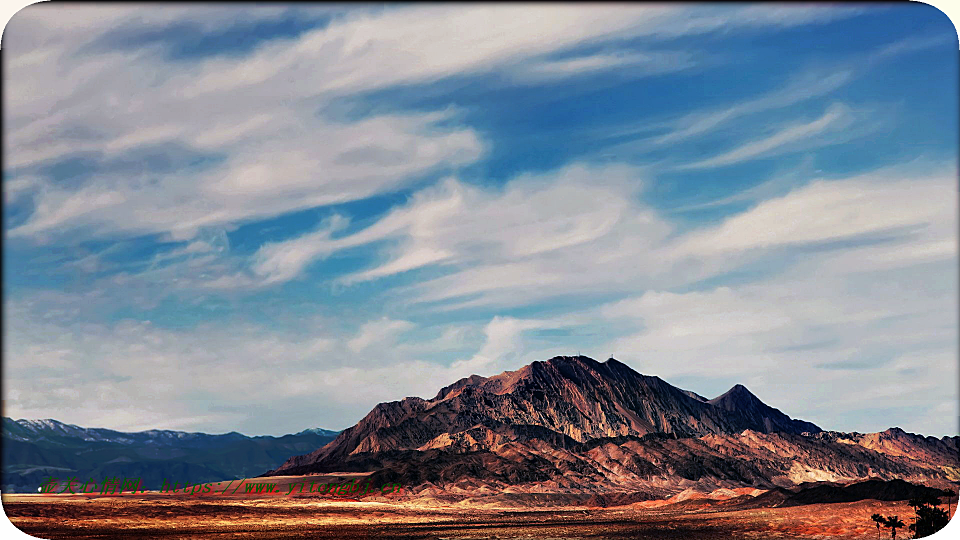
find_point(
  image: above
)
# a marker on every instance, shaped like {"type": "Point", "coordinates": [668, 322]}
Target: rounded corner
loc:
{"type": "Point", "coordinates": [17, 13]}
{"type": "Point", "coordinates": [6, 529]}
{"type": "Point", "coordinates": [950, 22]}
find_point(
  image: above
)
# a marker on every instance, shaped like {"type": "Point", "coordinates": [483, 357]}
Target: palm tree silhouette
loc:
{"type": "Point", "coordinates": [894, 523]}
{"type": "Point", "coordinates": [879, 520]}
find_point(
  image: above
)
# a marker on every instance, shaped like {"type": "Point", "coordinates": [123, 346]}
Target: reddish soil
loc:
{"type": "Point", "coordinates": [155, 517]}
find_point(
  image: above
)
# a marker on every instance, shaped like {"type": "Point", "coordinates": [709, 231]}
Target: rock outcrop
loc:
{"type": "Point", "coordinates": [575, 425]}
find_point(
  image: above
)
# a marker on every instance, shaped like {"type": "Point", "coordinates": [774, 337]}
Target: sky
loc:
{"type": "Point", "coordinates": [264, 219]}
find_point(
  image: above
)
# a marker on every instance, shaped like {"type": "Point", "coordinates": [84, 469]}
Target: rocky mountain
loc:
{"type": "Point", "coordinates": [565, 400]}
{"type": "Point", "coordinates": [35, 450]}
{"type": "Point", "coordinates": [878, 490]}
{"type": "Point", "coordinates": [740, 402]}
{"type": "Point", "coordinates": [577, 426]}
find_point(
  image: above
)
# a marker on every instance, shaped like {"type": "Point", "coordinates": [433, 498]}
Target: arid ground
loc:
{"type": "Point", "coordinates": [167, 517]}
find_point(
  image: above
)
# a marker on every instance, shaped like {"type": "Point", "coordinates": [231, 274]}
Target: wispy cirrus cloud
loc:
{"type": "Point", "coordinates": [629, 64]}
{"type": "Point", "coordinates": [806, 85]}
{"type": "Point", "coordinates": [835, 119]}
{"type": "Point", "coordinates": [543, 235]}
{"type": "Point", "coordinates": [255, 147]}
{"type": "Point", "coordinates": [877, 203]}
{"type": "Point", "coordinates": [358, 204]}
{"type": "Point", "coordinates": [455, 223]}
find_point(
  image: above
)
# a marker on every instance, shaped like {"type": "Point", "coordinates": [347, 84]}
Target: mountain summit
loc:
{"type": "Point", "coordinates": [741, 402]}
{"type": "Point", "coordinates": [564, 400]}
{"type": "Point", "coordinates": [574, 425]}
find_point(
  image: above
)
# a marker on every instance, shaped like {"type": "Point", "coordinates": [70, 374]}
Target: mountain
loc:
{"type": "Point", "coordinates": [893, 490]}
{"type": "Point", "coordinates": [35, 450]}
{"type": "Point", "coordinates": [574, 425]}
{"type": "Point", "coordinates": [739, 401]}
{"type": "Point", "coordinates": [54, 431]}
{"type": "Point", "coordinates": [695, 395]}
{"type": "Point", "coordinates": [319, 431]}
{"type": "Point", "coordinates": [566, 400]}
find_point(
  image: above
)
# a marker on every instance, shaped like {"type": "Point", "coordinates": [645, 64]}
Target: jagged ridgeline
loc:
{"type": "Point", "coordinates": [572, 423]}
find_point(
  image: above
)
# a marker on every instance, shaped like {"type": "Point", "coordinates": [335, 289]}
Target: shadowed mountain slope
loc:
{"type": "Point", "coordinates": [575, 426]}
{"type": "Point", "coordinates": [563, 400]}
{"type": "Point", "coordinates": [741, 402]}
{"type": "Point", "coordinates": [36, 450]}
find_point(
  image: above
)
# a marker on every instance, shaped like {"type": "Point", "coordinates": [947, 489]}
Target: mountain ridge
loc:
{"type": "Point", "coordinates": [34, 450]}
{"type": "Point", "coordinates": [575, 423]}
{"type": "Point", "coordinates": [559, 395]}
{"type": "Point", "coordinates": [742, 401]}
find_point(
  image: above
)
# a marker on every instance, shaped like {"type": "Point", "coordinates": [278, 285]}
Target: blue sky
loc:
{"type": "Point", "coordinates": [265, 219]}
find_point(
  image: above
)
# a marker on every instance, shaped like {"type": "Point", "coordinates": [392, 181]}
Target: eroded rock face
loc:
{"type": "Point", "coordinates": [572, 423]}
{"type": "Point", "coordinates": [751, 411]}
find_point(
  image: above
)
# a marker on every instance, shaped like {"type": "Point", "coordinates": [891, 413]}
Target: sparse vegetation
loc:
{"type": "Point", "coordinates": [879, 521]}
{"type": "Point", "coordinates": [894, 522]}
{"type": "Point", "coordinates": [930, 517]}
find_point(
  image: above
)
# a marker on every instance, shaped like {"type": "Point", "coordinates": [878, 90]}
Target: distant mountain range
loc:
{"type": "Point", "coordinates": [569, 426]}
{"type": "Point", "coordinates": [35, 450]}
{"type": "Point", "coordinates": [574, 425]}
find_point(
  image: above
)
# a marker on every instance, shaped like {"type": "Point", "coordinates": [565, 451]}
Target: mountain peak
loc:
{"type": "Point", "coordinates": [574, 399]}
{"type": "Point", "coordinates": [585, 361]}
{"type": "Point", "coordinates": [577, 359]}
{"type": "Point", "coordinates": [738, 392]}
{"type": "Point", "coordinates": [563, 402]}
{"type": "Point", "coordinates": [741, 401]}
{"type": "Point", "coordinates": [316, 431]}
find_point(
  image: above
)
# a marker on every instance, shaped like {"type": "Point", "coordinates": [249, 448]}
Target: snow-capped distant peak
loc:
{"type": "Point", "coordinates": [318, 431]}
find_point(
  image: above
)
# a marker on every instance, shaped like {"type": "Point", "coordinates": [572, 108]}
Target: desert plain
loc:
{"type": "Point", "coordinates": [153, 515]}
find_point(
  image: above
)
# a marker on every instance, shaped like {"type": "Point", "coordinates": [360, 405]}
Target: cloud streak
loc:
{"type": "Point", "coordinates": [261, 148]}
{"type": "Point", "coordinates": [352, 205]}
{"type": "Point", "coordinates": [837, 117]}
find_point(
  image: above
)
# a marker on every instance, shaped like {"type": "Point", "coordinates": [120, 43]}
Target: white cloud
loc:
{"type": "Point", "coordinates": [379, 332]}
{"type": "Point", "coordinates": [529, 223]}
{"type": "Point", "coordinates": [832, 210]}
{"type": "Point", "coordinates": [827, 343]}
{"type": "Point", "coordinates": [544, 236]}
{"type": "Point", "coordinates": [805, 86]}
{"type": "Point", "coordinates": [631, 64]}
{"type": "Point", "coordinates": [429, 43]}
{"type": "Point", "coordinates": [503, 348]}
{"type": "Point", "coordinates": [809, 86]}
{"type": "Point", "coordinates": [878, 315]}
{"type": "Point", "coordinates": [910, 213]}
{"type": "Point", "coordinates": [266, 176]}
{"type": "Point", "coordinates": [870, 326]}
{"type": "Point", "coordinates": [252, 120]}
{"type": "Point", "coordinates": [13, 189]}
{"type": "Point", "coordinates": [583, 230]}
{"type": "Point", "coordinates": [455, 223]}
{"type": "Point", "coordinates": [836, 117]}
{"type": "Point", "coordinates": [281, 261]}
{"type": "Point", "coordinates": [136, 375]}
{"type": "Point", "coordinates": [244, 141]}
